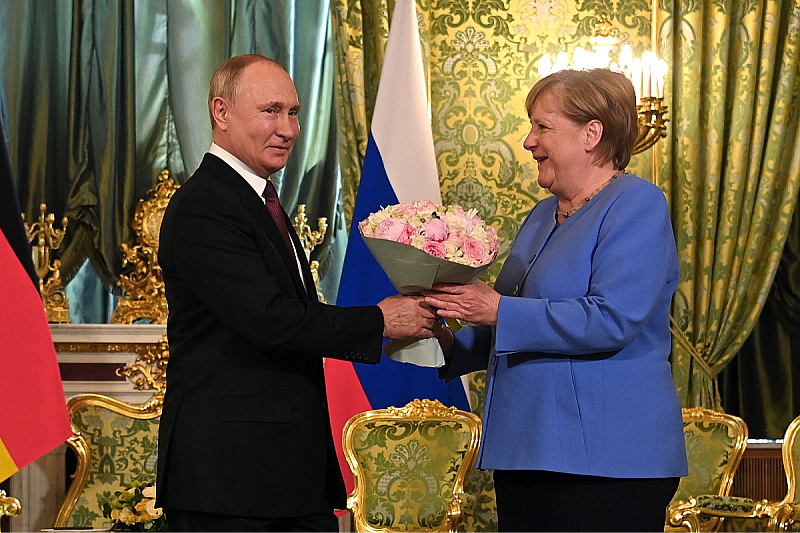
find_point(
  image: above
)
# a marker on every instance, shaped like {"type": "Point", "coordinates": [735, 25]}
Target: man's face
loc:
{"type": "Point", "coordinates": [261, 125]}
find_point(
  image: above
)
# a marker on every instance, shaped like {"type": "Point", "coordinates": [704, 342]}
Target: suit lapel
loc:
{"type": "Point", "coordinates": [255, 206]}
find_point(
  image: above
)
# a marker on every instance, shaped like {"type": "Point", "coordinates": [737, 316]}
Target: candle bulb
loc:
{"type": "Point", "coordinates": [653, 75]}
{"type": "Point", "coordinates": [578, 58]}
{"type": "Point", "coordinates": [636, 78]}
{"type": "Point", "coordinates": [662, 74]}
{"type": "Point", "coordinates": [646, 75]}
{"type": "Point", "coordinates": [625, 58]}
{"type": "Point", "coordinates": [562, 61]}
{"type": "Point", "coordinates": [545, 65]}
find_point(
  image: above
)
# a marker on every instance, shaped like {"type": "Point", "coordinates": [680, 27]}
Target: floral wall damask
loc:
{"type": "Point", "coordinates": [482, 58]}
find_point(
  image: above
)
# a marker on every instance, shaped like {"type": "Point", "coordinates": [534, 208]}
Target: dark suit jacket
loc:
{"type": "Point", "coordinates": [245, 428]}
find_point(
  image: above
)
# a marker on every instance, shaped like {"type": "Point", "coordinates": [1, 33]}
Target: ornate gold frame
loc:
{"type": "Point", "coordinates": [147, 411]}
{"type": "Point", "coordinates": [143, 286]}
{"type": "Point", "coordinates": [783, 512]}
{"type": "Point", "coordinates": [422, 410]}
{"type": "Point", "coordinates": [677, 515]}
{"type": "Point", "coordinates": [9, 506]}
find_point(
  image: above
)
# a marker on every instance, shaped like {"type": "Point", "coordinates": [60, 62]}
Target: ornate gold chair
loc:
{"type": "Point", "coordinates": [756, 515]}
{"type": "Point", "coordinates": [715, 443]}
{"type": "Point", "coordinates": [115, 442]}
{"type": "Point", "coordinates": [143, 285]}
{"type": "Point", "coordinates": [9, 506]}
{"type": "Point", "coordinates": [410, 465]}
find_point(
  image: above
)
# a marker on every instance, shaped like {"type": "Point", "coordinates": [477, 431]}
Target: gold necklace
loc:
{"type": "Point", "coordinates": [567, 214]}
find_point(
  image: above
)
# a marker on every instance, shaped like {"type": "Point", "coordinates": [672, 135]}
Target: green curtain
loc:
{"type": "Point", "coordinates": [733, 169]}
{"type": "Point", "coordinates": [101, 95]}
{"type": "Point", "coordinates": [758, 385]}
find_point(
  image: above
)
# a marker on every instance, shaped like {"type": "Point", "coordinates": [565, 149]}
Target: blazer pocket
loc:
{"type": "Point", "coordinates": [273, 410]}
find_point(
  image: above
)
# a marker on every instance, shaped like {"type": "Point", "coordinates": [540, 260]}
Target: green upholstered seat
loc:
{"type": "Point", "coordinates": [410, 465]}
{"type": "Point", "coordinates": [115, 443]}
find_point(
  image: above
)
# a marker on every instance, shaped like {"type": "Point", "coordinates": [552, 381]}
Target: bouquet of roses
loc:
{"type": "Point", "coordinates": [422, 243]}
{"type": "Point", "coordinates": [134, 509]}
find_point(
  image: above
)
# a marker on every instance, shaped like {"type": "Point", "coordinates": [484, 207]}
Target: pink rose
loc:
{"type": "Point", "coordinates": [435, 229]}
{"type": "Point", "coordinates": [390, 229]}
{"type": "Point", "coordinates": [474, 249]}
{"type": "Point", "coordinates": [425, 206]}
{"type": "Point", "coordinates": [407, 233]}
{"type": "Point", "coordinates": [434, 248]}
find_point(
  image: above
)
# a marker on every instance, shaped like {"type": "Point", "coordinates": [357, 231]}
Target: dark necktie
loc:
{"type": "Point", "coordinates": [275, 209]}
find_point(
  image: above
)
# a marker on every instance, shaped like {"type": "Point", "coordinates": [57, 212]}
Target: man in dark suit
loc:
{"type": "Point", "coordinates": [245, 440]}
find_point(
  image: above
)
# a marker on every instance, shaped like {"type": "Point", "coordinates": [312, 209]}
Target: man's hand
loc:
{"type": "Point", "coordinates": [407, 317]}
{"type": "Point", "coordinates": [476, 303]}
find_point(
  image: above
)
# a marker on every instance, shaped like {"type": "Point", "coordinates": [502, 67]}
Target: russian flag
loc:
{"type": "Point", "coordinates": [34, 410]}
{"type": "Point", "coordinates": [399, 166]}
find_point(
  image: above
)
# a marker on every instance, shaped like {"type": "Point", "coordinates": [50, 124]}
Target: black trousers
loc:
{"type": "Point", "coordinates": [194, 521]}
{"type": "Point", "coordinates": [535, 500]}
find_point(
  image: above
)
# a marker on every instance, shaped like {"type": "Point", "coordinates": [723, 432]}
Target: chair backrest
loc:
{"type": "Point", "coordinates": [115, 443]}
{"type": "Point", "coordinates": [791, 461]}
{"type": "Point", "coordinates": [715, 443]}
{"type": "Point", "coordinates": [410, 465]}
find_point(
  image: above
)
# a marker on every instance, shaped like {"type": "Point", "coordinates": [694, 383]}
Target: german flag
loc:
{"type": "Point", "coordinates": [33, 409]}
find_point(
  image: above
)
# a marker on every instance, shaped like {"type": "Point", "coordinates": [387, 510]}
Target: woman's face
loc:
{"type": "Point", "coordinates": [558, 145]}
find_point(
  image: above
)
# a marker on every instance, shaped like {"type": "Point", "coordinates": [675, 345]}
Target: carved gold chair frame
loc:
{"type": "Point", "coordinates": [779, 515]}
{"type": "Point", "coordinates": [677, 518]}
{"type": "Point", "coordinates": [143, 285]}
{"type": "Point", "coordinates": [416, 411]}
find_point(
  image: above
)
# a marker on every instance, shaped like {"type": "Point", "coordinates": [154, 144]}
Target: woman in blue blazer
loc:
{"type": "Point", "coordinates": [582, 426]}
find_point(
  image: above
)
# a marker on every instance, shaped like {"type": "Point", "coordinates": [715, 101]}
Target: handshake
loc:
{"type": "Point", "coordinates": [410, 317]}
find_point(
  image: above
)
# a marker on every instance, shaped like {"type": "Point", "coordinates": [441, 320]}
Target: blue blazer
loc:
{"type": "Point", "coordinates": [579, 379]}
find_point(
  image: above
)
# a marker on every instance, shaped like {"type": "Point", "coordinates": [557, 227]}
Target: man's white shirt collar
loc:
{"type": "Point", "coordinates": [256, 182]}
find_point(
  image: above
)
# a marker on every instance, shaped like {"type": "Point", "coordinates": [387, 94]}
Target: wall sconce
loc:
{"type": "Point", "coordinates": [647, 75]}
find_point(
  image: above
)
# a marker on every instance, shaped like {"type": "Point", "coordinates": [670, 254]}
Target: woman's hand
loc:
{"type": "Point", "coordinates": [476, 303]}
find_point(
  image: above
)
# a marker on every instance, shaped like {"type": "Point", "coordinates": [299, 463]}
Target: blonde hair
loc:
{"type": "Point", "coordinates": [596, 94]}
{"type": "Point", "coordinates": [225, 81]}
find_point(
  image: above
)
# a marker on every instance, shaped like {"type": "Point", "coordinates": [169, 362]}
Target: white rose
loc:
{"type": "Point", "coordinates": [149, 491]}
{"type": "Point", "coordinates": [152, 510]}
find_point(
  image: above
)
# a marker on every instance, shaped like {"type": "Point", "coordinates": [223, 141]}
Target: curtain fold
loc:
{"type": "Point", "coordinates": [101, 136]}
{"type": "Point", "coordinates": [733, 170]}
{"type": "Point", "coordinates": [360, 34]}
{"type": "Point", "coordinates": [759, 384]}
{"type": "Point", "coordinates": [34, 81]}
